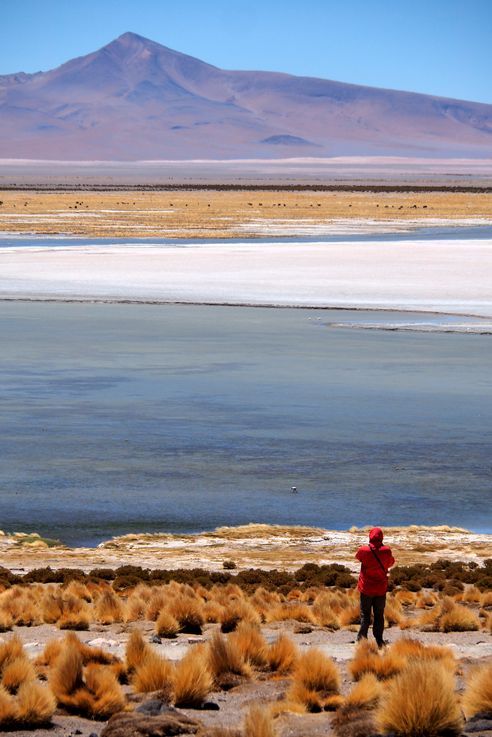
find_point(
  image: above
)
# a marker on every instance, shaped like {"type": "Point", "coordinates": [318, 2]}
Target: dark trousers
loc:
{"type": "Point", "coordinates": [376, 605]}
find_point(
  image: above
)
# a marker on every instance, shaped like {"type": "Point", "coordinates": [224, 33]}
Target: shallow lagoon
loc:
{"type": "Point", "coordinates": [119, 418]}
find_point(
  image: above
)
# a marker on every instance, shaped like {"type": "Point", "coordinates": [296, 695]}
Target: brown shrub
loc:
{"type": "Point", "coordinates": [420, 702]}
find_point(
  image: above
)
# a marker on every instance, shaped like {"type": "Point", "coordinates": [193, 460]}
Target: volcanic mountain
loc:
{"type": "Point", "coordinates": [135, 99]}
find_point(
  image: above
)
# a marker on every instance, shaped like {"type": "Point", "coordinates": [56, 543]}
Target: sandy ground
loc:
{"type": "Point", "coordinates": [225, 214]}
{"type": "Point", "coordinates": [300, 170]}
{"type": "Point", "coordinates": [249, 546]}
{"type": "Point", "coordinates": [470, 648]}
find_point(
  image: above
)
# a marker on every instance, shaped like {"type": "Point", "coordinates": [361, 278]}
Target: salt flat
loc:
{"type": "Point", "coordinates": [440, 275]}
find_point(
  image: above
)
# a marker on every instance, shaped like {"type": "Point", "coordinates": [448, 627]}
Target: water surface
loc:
{"type": "Point", "coordinates": [119, 418]}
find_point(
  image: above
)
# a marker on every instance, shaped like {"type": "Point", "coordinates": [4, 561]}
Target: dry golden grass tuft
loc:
{"type": "Point", "coordinates": [368, 659]}
{"type": "Point", "coordinates": [349, 615]}
{"type": "Point", "coordinates": [290, 610]}
{"type": "Point", "coordinates": [9, 711]}
{"type": "Point", "coordinates": [187, 611]}
{"type": "Point", "coordinates": [93, 692]}
{"type": "Point", "coordinates": [366, 693]}
{"type": "Point", "coordinates": [66, 674]}
{"type": "Point", "coordinates": [251, 644]}
{"type": "Point", "coordinates": [226, 659]}
{"type": "Point", "coordinates": [458, 618]}
{"type": "Point", "coordinates": [317, 672]}
{"type": "Point", "coordinates": [411, 649]}
{"type": "Point", "coordinates": [16, 672]}
{"type": "Point", "coordinates": [166, 625]}
{"type": "Point", "coordinates": [193, 680]}
{"type": "Point", "coordinates": [155, 673]}
{"type": "Point", "coordinates": [136, 651]}
{"type": "Point", "coordinates": [258, 722]}
{"type": "Point", "coordinates": [420, 702]}
{"type": "Point", "coordinates": [478, 691]}
{"type": "Point", "coordinates": [76, 614]}
{"type": "Point", "coordinates": [107, 696]}
{"type": "Point", "coordinates": [315, 681]}
{"type": "Point", "coordinates": [35, 704]}
{"type": "Point", "coordinates": [282, 655]}
{"type": "Point", "coordinates": [108, 608]}
{"type": "Point", "coordinates": [325, 612]}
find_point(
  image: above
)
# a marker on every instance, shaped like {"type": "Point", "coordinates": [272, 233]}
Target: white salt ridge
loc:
{"type": "Point", "coordinates": [441, 275]}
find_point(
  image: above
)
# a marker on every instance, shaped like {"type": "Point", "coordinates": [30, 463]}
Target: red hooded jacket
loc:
{"type": "Point", "coordinates": [373, 580]}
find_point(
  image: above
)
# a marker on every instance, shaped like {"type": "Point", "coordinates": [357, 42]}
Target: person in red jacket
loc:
{"type": "Point", "coordinates": [376, 559]}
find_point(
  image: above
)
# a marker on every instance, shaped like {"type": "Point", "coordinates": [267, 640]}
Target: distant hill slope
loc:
{"type": "Point", "coordinates": [135, 99]}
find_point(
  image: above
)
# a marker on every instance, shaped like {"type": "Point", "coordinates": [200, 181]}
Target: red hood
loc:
{"type": "Point", "coordinates": [376, 537]}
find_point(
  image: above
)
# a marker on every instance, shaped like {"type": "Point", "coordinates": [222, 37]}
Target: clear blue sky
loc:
{"type": "Point", "coordinates": [441, 47]}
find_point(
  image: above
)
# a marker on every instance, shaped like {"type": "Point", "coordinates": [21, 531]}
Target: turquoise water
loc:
{"type": "Point", "coordinates": [119, 418]}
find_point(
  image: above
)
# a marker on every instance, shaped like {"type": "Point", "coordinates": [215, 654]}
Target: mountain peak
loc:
{"type": "Point", "coordinates": [137, 99]}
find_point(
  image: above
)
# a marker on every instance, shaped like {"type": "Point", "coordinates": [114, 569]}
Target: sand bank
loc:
{"type": "Point", "coordinates": [440, 275]}
{"type": "Point", "coordinates": [255, 545]}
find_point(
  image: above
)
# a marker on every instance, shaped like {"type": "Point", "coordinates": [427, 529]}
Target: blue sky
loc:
{"type": "Point", "coordinates": [441, 47]}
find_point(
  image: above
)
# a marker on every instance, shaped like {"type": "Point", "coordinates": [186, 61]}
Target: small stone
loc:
{"type": "Point", "coordinates": [124, 724]}
{"type": "Point", "coordinates": [302, 629]}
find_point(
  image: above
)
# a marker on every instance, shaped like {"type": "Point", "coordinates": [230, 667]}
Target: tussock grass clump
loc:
{"type": "Point", "coordinates": [368, 659]}
{"type": "Point", "coordinates": [282, 655]}
{"type": "Point", "coordinates": [411, 649]}
{"type": "Point", "coordinates": [258, 722]}
{"type": "Point", "coordinates": [9, 711]}
{"type": "Point", "coordinates": [166, 625]}
{"type": "Point", "coordinates": [478, 691]}
{"type": "Point", "coordinates": [225, 660]}
{"type": "Point", "coordinates": [136, 651]}
{"type": "Point", "coordinates": [458, 618]}
{"type": "Point", "coordinates": [290, 610]}
{"type": "Point", "coordinates": [315, 681]}
{"type": "Point", "coordinates": [93, 692]}
{"type": "Point", "coordinates": [108, 608]}
{"type": "Point", "coordinates": [365, 694]}
{"type": "Point", "coordinates": [193, 680]}
{"type": "Point", "coordinates": [76, 614]}
{"type": "Point", "coordinates": [155, 673]}
{"type": "Point", "coordinates": [187, 611]}
{"type": "Point", "coordinates": [420, 702]}
{"type": "Point", "coordinates": [16, 672]}
{"type": "Point", "coordinates": [9, 651]}
{"type": "Point", "coordinates": [35, 704]}
{"type": "Point", "coordinates": [251, 644]}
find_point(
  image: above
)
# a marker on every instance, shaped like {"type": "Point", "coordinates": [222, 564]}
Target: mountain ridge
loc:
{"type": "Point", "coordinates": [136, 99]}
